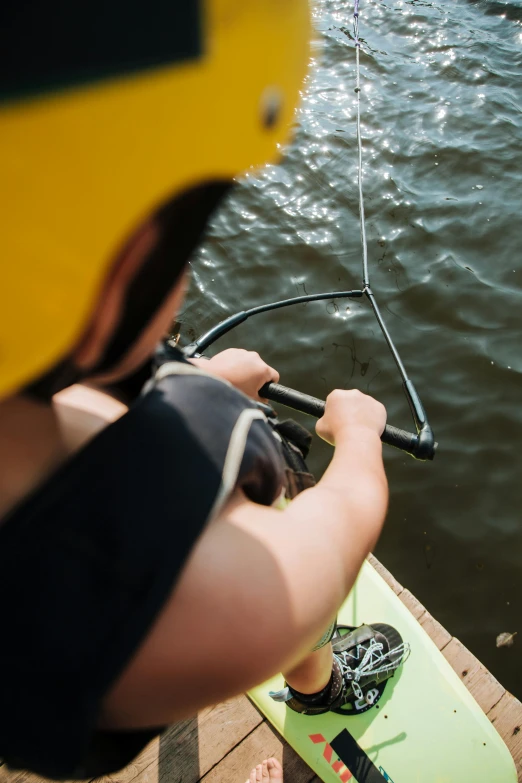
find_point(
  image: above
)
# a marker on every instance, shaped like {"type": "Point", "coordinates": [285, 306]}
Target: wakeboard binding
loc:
{"type": "Point", "coordinates": [364, 660]}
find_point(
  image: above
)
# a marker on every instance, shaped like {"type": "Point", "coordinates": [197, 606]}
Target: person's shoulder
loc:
{"type": "Point", "coordinates": [83, 412]}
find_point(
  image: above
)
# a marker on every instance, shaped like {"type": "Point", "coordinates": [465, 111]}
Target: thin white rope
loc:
{"type": "Point", "coordinates": [362, 221]}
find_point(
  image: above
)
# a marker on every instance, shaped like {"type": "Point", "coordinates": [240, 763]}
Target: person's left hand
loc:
{"type": "Point", "coordinates": [243, 369]}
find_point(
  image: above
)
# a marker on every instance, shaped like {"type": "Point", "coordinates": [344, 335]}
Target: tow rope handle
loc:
{"type": "Point", "coordinates": [422, 445]}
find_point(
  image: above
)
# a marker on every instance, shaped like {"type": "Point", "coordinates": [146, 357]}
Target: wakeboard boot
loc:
{"type": "Point", "coordinates": [364, 659]}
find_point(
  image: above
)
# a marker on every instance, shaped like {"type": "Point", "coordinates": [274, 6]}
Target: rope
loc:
{"type": "Point", "coordinates": [366, 274]}
{"type": "Point", "coordinates": [362, 222]}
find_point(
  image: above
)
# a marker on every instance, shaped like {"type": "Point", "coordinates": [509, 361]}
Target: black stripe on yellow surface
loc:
{"type": "Point", "coordinates": [51, 45]}
{"type": "Point", "coordinates": [355, 759]}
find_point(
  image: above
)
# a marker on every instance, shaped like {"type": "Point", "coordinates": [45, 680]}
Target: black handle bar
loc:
{"type": "Point", "coordinates": [421, 446]}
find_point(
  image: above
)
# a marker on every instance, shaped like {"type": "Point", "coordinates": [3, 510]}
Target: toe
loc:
{"type": "Point", "coordinates": [275, 771]}
{"type": "Point", "coordinates": [259, 773]}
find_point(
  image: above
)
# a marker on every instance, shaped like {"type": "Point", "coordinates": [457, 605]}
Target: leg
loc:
{"type": "Point", "coordinates": [313, 673]}
{"type": "Point", "coordinates": [336, 673]}
{"type": "Point", "coordinates": [316, 681]}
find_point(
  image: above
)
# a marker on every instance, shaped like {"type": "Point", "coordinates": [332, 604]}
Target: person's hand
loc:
{"type": "Point", "coordinates": [243, 369]}
{"type": "Point", "coordinates": [350, 414]}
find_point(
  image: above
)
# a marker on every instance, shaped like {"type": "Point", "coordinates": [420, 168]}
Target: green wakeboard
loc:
{"type": "Point", "coordinates": [425, 728]}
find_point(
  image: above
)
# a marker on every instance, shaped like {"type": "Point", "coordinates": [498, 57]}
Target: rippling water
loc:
{"type": "Point", "coordinates": [442, 136]}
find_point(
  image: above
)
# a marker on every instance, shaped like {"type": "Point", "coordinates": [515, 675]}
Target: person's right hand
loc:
{"type": "Point", "coordinates": [245, 370]}
{"type": "Point", "coordinates": [350, 413]}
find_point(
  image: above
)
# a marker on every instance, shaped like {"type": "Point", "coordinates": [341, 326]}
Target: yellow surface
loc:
{"type": "Point", "coordinates": [80, 169]}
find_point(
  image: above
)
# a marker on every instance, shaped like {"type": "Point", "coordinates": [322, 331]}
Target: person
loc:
{"type": "Point", "coordinates": [147, 565]}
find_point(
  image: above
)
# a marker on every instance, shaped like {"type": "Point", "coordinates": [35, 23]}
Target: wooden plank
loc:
{"type": "Point", "coordinates": [461, 660]}
{"type": "Point", "coordinates": [506, 716]}
{"type": "Point", "coordinates": [19, 776]}
{"type": "Point", "coordinates": [218, 733]}
{"type": "Point", "coordinates": [260, 744]}
{"type": "Point", "coordinates": [388, 578]}
{"type": "Point", "coordinates": [435, 630]}
{"type": "Point", "coordinates": [7, 776]}
{"type": "Point", "coordinates": [484, 688]}
{"type": "Point", "coordinates": [411, 603]}
{"type": "Point", "coordinates": [187, 750]}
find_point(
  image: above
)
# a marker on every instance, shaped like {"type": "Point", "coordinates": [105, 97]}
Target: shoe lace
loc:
{"type": "Point", "coordinates": [374, 661]}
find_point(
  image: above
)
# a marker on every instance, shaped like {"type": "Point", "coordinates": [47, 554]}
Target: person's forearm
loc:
{"type": "Point", "coordinates": [348, 506]}
{"type": "Point", "coordinates": [319, 541]}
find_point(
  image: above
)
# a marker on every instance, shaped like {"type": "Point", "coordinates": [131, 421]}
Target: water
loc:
{"type": "Point", "coordinates": [442, 136]}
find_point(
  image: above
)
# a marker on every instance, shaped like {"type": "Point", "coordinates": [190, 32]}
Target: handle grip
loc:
{"type": "Point", "coordinates": [421, 446]}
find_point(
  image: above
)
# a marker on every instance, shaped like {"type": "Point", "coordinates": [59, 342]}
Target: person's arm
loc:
{"type": "Point", "coordinates": [328, 530]}
{"type": "Point", "coordinates": [261, 583]}
{"type": "Point", "coordinates": [82, 412]}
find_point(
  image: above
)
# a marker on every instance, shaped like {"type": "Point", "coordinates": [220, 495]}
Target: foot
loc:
{"type": "Point", "coordinates": [269, 771]}
{"type": "Point", "coordinates": [364, 659]}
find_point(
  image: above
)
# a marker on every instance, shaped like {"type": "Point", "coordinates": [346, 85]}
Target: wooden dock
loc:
{"type": "Point", "coordinates": [224, 742]}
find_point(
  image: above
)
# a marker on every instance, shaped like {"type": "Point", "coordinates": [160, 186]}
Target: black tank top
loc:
{"type": "Point", "coordinates": [87, 562]}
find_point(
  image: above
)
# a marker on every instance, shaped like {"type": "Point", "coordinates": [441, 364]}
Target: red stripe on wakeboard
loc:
{"type": "Point", "coordinates": [328, 752]}
{"type": "Point", "coordinates": [337, 767]}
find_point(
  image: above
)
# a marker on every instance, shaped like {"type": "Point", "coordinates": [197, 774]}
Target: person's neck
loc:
{"type": "Point", "coordinates": [31, 448]}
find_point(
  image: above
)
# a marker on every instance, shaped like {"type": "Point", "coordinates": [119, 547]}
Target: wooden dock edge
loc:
{"type": "Point", "coordinates": [502, 708]}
